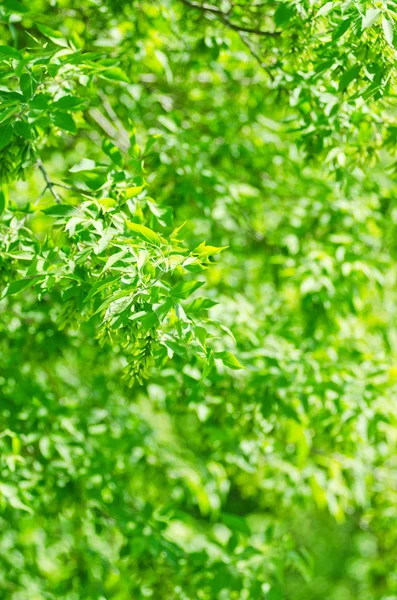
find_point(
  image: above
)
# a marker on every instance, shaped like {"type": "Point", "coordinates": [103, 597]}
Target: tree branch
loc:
{"type": "Point", "coordinates": [226, 21]}
{"type": "Point", "coordinates": [246, 41]}
{"type": "Point", "coordinates": [48, 181]}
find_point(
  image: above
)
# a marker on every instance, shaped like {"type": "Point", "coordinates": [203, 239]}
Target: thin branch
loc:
{"type": "Point", "coordinates": [226, 21]}
{"type": "Point", "coordinates": [42, 194]}
{"type": "Point", "coordinates": [206, 7]}
{"type": "Point", "coordinates": [73, 188]}
{"type": "Point", "coordinates": [48, 181]}
{"type": "Point", "coordinates": [246, 41]}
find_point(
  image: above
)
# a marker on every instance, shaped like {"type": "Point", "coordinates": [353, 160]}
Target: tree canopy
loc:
{"type": "Point", "coordinates": [198, 339]}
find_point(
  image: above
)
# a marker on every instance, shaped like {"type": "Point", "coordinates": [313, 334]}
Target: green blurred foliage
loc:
{"type": "Point", "coordinates": [198, 298]}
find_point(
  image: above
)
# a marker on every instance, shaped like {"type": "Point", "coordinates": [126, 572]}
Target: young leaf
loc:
{"type": "Point", "coordinates": [114, 74]}
{"type": "Point", "coordinates": [205, 251]}
{"type": "Point", "coordinates": [144, 233]}
{"type": "Point", "coordinates": [133, 191]}
{"type": "Point", "coordinates": [229, 360]}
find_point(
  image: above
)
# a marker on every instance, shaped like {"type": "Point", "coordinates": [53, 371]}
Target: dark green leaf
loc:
{"type": "Point", "coordinates": [7, 52]}
{"type": "Point", "coordinates": [5, 135]}
{"type": "Point", "coordinates": [68, 102]}
{"type": "Point", "coordinates": [59, 210]}
{"type": "Point", "coordinates": [348, 77]}
{"type": "Point", "coordinates": [64, 121]}
{"type": "Point", "coordinates": [16, 6]}
{"type": "Point", "coordinates": [28, 85]}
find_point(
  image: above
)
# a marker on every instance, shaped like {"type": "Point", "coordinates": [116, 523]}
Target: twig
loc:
{"type": "Point", "coordinates": [207, 7]}
{"type": "Point", "coordinates": [226, 21]}
{"type": "Point", "coordinates": [48, 181]}
{"type": "Point", "coordinates": [42, 194]}
{"type": "Point", "coordinates": [73, 188]}
{"type": "Point", "coordinates": [246, 41]}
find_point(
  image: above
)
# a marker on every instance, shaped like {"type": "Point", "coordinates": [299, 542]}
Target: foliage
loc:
{"type": "Point", "coordinates": [198, 333]}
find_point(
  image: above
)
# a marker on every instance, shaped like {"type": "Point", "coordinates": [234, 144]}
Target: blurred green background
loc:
{"type": "Point", "coordinates": [275, 481]}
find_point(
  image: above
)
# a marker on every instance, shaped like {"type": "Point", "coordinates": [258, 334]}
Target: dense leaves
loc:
{"type": "Point", "coordinates": [197, 269]}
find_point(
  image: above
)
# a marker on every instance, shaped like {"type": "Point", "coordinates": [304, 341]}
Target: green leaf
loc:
{"type": "Point", "coordinates": [205, 251]}
{"type": "Point", "coordinates": [200, 304]}
{"type": "Point", "coordinates": [16, 6]}
{"type": "Point", "coordinates": [284, 13]}
{"type": "Point", "coordinates": [235, 523]}
{"type": "Point", "coordinates": [40, 101]}
{"type": "Point", "coordinates": [133, 191]}
{"type": "Point", "coordinates": [28, 85]}
{"type": "Point", "coordinates": [64, 121]}
{"type": "Point", "coordinates": [7, 52]}
{"type": "Point", "coordinates": [388, 30]}
{"type": "Point", "coordinates": [163, 214]}
{"type": "Point", "coordinates": [229, 360]}
{"type": "Point", "coordinates": [59, 210]}
{"type": "Point", "coordinates": [53, 35]}
{"type": "Point", "coordinates": [18, 286]}
{"type": "Point", "coordinates": [10, 492]}
{"type": "Point", "coordinates": [112, 152]}
{"type": "Point", "coordinates": [100, 285]}
{"type": "Point", "coordinates": [23, 129]}
{"type": "Point", "coordinates": [151, 141]}
{"type": "Point", "coordinates": [3, 199]}
{"type": "Point", "coordinates": [5, 135]}
{"type": "Point", "coordinates": [144, 233]}
{"type": "Point", "coordinates": [348, 76]}
{"type": "Point", "coordinates": [341, 29]}
{"type": "Point", "coordinates": [114, 74]}
{"type": "Point", "coordinates": [8, 112]}
{"type": "Point", "coordinates": [325, 9]}
{"type": "Point", "coordinates": [184, 289]}
{"type": "Point", "coordinates": [274, 594]}
{"type": "Point", "coordinates": [68, 103]}
{"type": "Point", "coordinates": [168, 123]}
{"type": "Point", "coordinates": [370, 18]}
